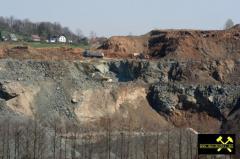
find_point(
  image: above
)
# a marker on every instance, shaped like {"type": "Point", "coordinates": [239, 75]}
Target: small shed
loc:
{"type": "Point", "coordinates": [52, 39]}
{"type": "Point", "coordinates": [36, 38]}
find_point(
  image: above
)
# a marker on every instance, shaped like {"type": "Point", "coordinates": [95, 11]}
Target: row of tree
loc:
{"type": "Point", "coordinates": [27, 28]}
{"type": "Point", "coordinates": [29, 139]}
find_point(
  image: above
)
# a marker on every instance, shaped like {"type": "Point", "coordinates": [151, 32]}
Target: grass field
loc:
{"type": "Point", "coordinates": [52, 45]}
{"type": "Point", "coordinates": [46, 45]}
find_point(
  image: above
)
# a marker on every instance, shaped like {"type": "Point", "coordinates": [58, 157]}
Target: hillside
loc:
{"type": "Point", "coordinates": [178, 44]}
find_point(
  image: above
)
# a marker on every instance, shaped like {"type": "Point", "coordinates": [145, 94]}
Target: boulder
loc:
{"type": "Point", "coordinates": [188, 101]}
{"type": "Point", "coordinates": [162, 100]}
{"type": "Point", "coordinates": [100, 77]}
{"type": "Point", "coordinates": [102, 68]}
{"type": "Point", "coordinates": [167, 102]}
{"type": "Point", "coordinates": [74, 100]}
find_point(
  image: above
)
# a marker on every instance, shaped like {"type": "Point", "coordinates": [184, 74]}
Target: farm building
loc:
{"type": "Point", "coordinates": [52, 39]}
{"type": "Point", "coordinates": [36, 38]}
{"type": "Point", "coordinates": [55, 39]}
{"type": "Point", "coordinates": [13, 37]}
{"type": "Point", "coordinates": [62, 39]}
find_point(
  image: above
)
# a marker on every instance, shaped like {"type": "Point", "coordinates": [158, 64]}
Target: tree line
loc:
{"type": "Point", "coordinates": [27, 28]}
{"type": "Point", "coordinates": [32, 139]}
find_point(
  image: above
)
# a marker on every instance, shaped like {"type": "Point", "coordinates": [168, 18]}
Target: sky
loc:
{"type": "Point", "coordinates": [124, 17]}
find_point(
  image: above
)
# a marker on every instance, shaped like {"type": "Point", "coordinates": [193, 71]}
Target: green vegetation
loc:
{"type": "Point", "coordinates": [23, 29]}
{"type": "Point", "coordinates": [55, 45]}
{"type": "Point", "coordinates": [0, 35]}
{"type": "Point", "coordinates": [46, 45]}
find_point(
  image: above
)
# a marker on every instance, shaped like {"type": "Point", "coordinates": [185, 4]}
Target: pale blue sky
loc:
{"type": "Point", "coordinates": [121, 17]}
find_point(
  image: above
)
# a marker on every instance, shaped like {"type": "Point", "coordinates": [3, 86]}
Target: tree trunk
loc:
{"type": "Point", "coordinates": [168, 145]}
{"type": "Point", "coordinates": [35, 139]}
{"type": "Point", "coordinates": [180, 144]}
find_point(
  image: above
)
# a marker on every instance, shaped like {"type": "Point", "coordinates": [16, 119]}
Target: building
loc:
{"type": "Point", "coordinates": [55, 39]}
{"type": "Point", "coordinates": [13, 37]}
{"type": "Point", "coordinates": [52, 39]}
{"type": "Point", "coordinates": [62, 39]}
{"type": "Point", "coordinates": [36, 38]}
{"type": "Point", "coordinates": [4, 38]}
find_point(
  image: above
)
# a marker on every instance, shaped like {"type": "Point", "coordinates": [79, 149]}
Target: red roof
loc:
{"type": "Point", "coordinates": [35, 37]}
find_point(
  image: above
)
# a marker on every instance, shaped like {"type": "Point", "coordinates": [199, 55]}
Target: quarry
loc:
{"type": "Point", "coordinates": [119, 106]}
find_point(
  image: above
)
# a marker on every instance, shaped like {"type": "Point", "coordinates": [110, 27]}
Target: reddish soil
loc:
{"type": "Point", "coordinates": [41, 53]}
{"type": "Point", "coordinates": [177, 44]}
{"type": "Point", "coordinates": [194, 120]}
{"type": "Point", "coordinates": [168, 44]}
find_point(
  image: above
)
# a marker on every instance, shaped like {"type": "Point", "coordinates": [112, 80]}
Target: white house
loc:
{"type": "Point", "coordinates": [62, 39]}
{"type": "Point", "coordinates": [13, 37]}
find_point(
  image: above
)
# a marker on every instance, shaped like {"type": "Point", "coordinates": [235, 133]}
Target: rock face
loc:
{"type": "Point", "coordinates": [18, 97]}
{"type": "Point", "coordinates": [163, 100]}
{"type": "Point", "coordinates": [192, 80]}
{"type": "Point", "coordinates": [216, 100]}
{"type": "Point", "coordinates": [145, 91]}
{"type": "Point", "coordinates": [77, 91]}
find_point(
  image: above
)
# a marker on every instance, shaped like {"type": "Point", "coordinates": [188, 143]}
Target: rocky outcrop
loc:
{"type": "Point", "coordinates": [9, 90]}
{"type": "Point", "coordinates": [146, 91]}
{"type": "Point", "coordinates": [218, 101]}
{"type": "Point", "coordinates": [18, 97]}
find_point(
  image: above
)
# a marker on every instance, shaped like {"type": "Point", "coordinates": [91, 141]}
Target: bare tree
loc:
{"type": "Point", "coordinates": [180, 144]}
{"type": "Point", "coordinates": [65, 143]}
{"type": "Point", "coordinates": [79, 33]}
{"type": "Point", "coordinates": [17, 133]}
{"type": "Point", "coordinates": [144, 145]}
{"type": "Point", "coordinates": [157, 145]}
{"type": "Point", "coordinates": [8, 140]}
{"type": "Point", "coordinates": [27, 138]}
{"type": "Point", "coordinates": [92, 37]}
{"type": "Point", "coordinates": [191, 145]}
{"type": "Point", "coordinates": [35, 139]}
{"type": "Point", "coordinates": [168, 144]}
{"type": "Point", "coordinates": [60, 143]}
{"type": "Point", "coordinates": [229, 23]}
{"type": "Point", "coordinates": [74, 138]}
{"type": "Point", "coordinates": [41, 143]}
{"type": "Point", "coordinates": [3, 135]}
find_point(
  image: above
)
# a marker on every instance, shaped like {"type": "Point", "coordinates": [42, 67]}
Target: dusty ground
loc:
{"type": "Point", "coordinates": [61, 53]}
